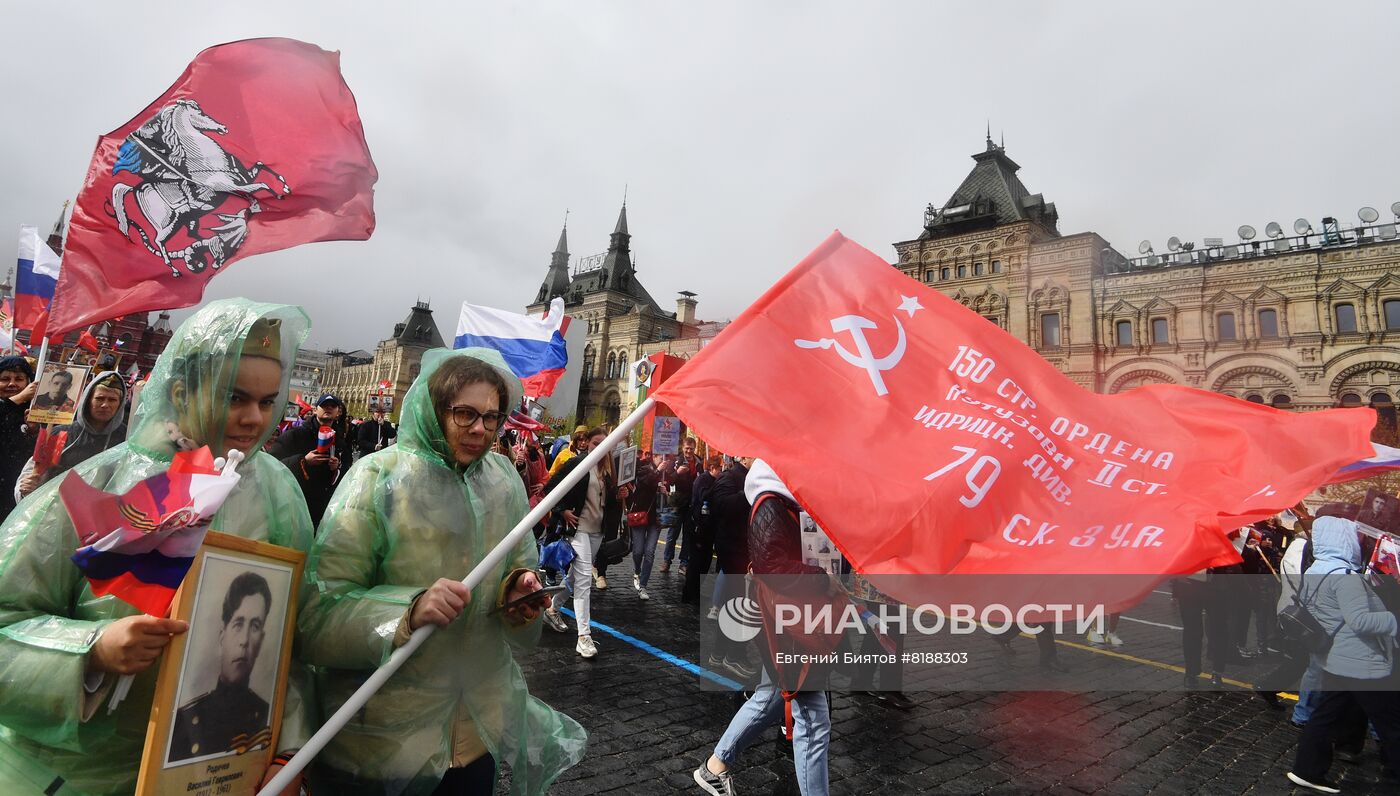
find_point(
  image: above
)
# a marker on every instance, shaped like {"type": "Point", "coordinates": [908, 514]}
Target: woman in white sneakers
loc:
{"type": "Point", "coordinates": [591, 506]}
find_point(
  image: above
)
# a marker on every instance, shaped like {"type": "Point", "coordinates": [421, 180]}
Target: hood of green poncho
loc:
{"type": "Point", "coordinates": [420, 432]}
{"type": "Point", "coordinates": [203, 354]}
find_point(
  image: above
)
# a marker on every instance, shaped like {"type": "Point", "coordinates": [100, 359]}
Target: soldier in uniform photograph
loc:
{"type": "Point", "coordinates": [59, 398]}
{"type": "Point", "coordinates": [232, 717]}
{"type": "Point", "coordinates": [1380, 511]}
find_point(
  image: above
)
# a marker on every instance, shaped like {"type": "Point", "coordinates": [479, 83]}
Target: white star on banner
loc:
{"type": "Point", "coordinates": [910, 305]}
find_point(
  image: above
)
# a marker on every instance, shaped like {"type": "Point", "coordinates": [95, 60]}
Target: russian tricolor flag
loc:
{"type": "Point", "coordinates": [36, 278]}
{"type": "Point", "coordinates": [138, 546]}
{"type": "Point", "coordinates": [1386, 460]}
{"type": "Point", "coordinates": [532, 347]}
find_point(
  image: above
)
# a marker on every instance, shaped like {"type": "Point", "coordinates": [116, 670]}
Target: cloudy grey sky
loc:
{"type": "Point", "coordinates": [746, 131]}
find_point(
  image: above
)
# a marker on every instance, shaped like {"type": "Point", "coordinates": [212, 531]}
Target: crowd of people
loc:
{"type": "Point", "coordinates": [392, 517]}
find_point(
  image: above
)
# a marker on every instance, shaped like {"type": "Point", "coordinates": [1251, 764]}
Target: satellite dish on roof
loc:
{"type": "Point", "coordinates": [1368, 215]}
{"type": "Point", "coordinates": [1174, 243]}
{"type": "Point", "coordinates": [1145, 247]}
{"type": "Point", "coordinates": [1395, 208]}
{"type": "Point", "coordinates": [1302, 227]}
{"type": "Point", "coordinates": [1273, 230]}
{"type": "Point", "coordinates": [1246, 232]}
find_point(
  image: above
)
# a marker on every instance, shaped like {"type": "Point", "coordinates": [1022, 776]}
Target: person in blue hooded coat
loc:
{"type": "Point", "coordinates": [1358, 669]}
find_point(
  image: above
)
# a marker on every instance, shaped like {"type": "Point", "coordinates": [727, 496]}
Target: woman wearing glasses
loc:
{"type": "Point", "coordinates": [406, 524]}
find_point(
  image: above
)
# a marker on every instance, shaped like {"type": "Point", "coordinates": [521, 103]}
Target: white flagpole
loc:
{"type": "Point", "coordinates": [43, 358]}
{"type": "Point", "coordinates": [493, 559]}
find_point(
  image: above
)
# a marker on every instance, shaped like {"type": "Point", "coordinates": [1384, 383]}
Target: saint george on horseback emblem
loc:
{"type": "Point", "coordinates": [187, 181]}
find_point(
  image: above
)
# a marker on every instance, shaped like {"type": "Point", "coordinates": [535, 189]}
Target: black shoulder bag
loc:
{"type": "Point", "coordinates": [1297, 624]}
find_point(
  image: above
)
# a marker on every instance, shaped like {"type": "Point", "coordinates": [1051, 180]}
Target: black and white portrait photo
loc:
{"type": "Point", "coordinates": [1380, 510]}
{"type": "Point", "coordinates": [227, 685]}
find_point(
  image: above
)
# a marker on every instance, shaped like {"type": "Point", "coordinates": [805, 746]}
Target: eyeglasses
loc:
{"type": "Point", "coordinates": [466, 417]}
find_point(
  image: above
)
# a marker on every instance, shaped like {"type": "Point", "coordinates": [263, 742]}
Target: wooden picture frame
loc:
{"type": "Point", "coordinates": [213, 729]}
{"type": "Point", "coordinates": [626, 465]}
{"type": "Point", "coordinates": [62, 412]}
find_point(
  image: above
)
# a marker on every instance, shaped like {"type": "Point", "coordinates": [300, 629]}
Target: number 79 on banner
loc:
{"type": "Point", "coordinates": [979, 477]}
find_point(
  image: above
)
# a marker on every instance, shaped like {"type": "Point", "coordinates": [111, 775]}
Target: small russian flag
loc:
{"type": "Point", "coordinates": [325, 438]}
{"type": "Point", "coordinates": [534, 348]}
{"type": "Point", "coordinates": [139, 545]}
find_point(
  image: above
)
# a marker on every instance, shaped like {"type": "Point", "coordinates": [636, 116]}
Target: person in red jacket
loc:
{"type": "Point", "coordinates": [775, 552]}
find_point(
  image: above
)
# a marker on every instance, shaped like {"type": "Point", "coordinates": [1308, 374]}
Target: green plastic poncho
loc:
{"type": "Point", "coordinates": [404, 517]}
{"type": "Point", "coordinates": [49, 618]}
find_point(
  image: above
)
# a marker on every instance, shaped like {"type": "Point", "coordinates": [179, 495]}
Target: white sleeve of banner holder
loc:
{"type": "Point", "coordinates": [381, 675]}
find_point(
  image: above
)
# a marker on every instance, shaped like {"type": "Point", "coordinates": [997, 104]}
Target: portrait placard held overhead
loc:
{"type": "Point", "coordinates": [56, 398]}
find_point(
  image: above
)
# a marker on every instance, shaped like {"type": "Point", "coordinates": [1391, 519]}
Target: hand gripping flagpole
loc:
{"type": "Point", "coordinates": [493, 559]}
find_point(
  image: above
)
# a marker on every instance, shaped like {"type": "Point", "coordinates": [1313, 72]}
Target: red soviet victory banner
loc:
{"type": "Point", "coordinates": [927, 441]}
{"type": "Point", "coordinates": [257, 147]}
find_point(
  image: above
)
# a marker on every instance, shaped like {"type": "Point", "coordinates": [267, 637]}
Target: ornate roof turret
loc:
{"type": "Point", "coordinates": [991, 195]}
{"type": "Point", "coordinates": [419, 329]}
{"type": "Point", "coordinates": [617, 265]}
{"type": "Point", "coordinates": [556, 281]}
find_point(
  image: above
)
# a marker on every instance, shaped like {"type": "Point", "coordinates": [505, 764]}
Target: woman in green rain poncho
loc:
{"type": "Point", "coordinates": [404, 526]}
{"type": "Point", "coordinates": [221, 382]}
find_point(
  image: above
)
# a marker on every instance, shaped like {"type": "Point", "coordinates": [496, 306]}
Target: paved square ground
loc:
{"type": "Point", "coordinates": [651, 721]}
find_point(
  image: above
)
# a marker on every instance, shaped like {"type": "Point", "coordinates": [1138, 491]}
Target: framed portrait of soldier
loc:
{"type": "Point", "coordinates": [374, 403]}
{"type": "Point", "coordinates": [1380, 511]}
{"type": "Point", "coordinates": [218, 706]}
{"type": "Point", "coordinates": [626, 465]}
{"type": "Point", "coordinates": [57, 393]}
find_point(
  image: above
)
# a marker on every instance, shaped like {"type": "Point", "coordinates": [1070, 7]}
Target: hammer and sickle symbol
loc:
{"type": "Point", "coordinates": [864, 358]}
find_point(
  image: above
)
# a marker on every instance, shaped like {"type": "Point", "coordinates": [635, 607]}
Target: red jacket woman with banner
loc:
{"type": "Point", "coordinates": [784, 693]}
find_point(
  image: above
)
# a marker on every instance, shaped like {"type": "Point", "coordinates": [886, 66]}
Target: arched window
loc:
{"type": "Point", "coordinates": [1268, 323]}
{"type": "Point", "coordinates": [976, 269]}
{"type": "Point", "coordinates": [1351, 399]}
{"type": "Point", "coordinates": [1050, 330]}
{"type": "Point", "coordinates": [945, 274]}
{"type": "Point", "coordinates": [1392, 313]}
{"type": "Point", "coordinates": [1159, 330]}
{"type": "Point", "coordinates": [996, 269]}
{"type": "Point", "coordinates": [962, 271]}
{"type": "Point", "coordinates": [612, 410]}
{"type": "Point", "coordinates": [1282, 401]}
{"type": "Point", "coordinates": [1254, 398]}
{"type": "Point", "coordinates": [1225, 326]}
{"type": "Point", "coordinates": [1346, 318]}
{"type": "Point", "coordinates": [1385, 429]}
{"type": "Point", "coordinates": [1124, 332]}
{"type": "Point", "coordinates": [612, 366]}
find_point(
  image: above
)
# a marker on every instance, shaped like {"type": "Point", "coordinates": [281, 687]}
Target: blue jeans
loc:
{"type": "Point", "coordinates": [811, 732]}
{"type": "Point", "coordinates": [644, 549]}
{"type": "Point", "coordinates": [1309, 692]}
{"type": "Point", "coordinates": [675, 527]}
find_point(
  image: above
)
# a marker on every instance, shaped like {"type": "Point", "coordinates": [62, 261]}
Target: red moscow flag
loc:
{"type": "Point", "coordinates": [257, 147]}
{"type": "Point", "coordinates": [926, 440]}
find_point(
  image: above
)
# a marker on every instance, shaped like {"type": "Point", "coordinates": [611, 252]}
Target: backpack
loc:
{"type": "Point", "coordinates": [1297, 624]}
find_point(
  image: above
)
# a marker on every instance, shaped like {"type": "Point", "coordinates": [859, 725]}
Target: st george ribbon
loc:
{"type": "Point", "coordinates": [927, 441]}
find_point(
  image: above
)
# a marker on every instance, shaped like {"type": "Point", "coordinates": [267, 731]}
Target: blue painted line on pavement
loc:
{"type": "Point", "coordinates": [693, 668]}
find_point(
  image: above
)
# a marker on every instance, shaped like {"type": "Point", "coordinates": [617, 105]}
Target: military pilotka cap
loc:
{"type": "Point", "coordinates": [264, 339]}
